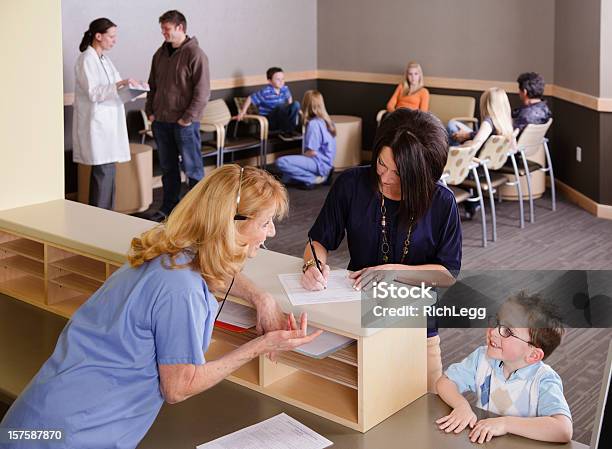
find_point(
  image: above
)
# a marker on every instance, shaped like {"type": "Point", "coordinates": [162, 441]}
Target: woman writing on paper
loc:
{"type": "Point", "coordinates": [99, 131]}
{"type": "Point", "coordinates": [143, 336]}
{"type": "Point", "coordinates": [395, 213]}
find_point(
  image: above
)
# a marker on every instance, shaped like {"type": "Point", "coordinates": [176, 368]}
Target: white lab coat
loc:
{"type": "Point", "coordinates": [99, 130]}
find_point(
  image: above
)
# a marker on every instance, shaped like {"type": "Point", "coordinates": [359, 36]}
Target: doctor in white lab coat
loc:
{"type": "Point", "coordinates": [99, 131]}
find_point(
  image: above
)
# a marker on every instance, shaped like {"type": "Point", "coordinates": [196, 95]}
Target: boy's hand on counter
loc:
{"type": "Point", "coordinates": [486, 429]}
{"type": "Point", "coordinates": [457, 420]}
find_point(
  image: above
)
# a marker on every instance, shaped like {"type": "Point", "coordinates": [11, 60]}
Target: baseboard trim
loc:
{"type": "Point", "coordinates": [583, 201]}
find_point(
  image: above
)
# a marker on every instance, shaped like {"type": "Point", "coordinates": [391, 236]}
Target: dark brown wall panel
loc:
{"type": "Point", "coordinates": [605, 145]}
{"type": "Point", "coordinates": [576, 126]}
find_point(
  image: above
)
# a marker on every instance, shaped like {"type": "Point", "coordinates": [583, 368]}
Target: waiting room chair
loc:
{"type": "Point", "coordinates": [216, 119]}
{"type": "Point", "coordinates": [458, 166]}
{"type": "Point", "coordinates": [491, 157]}
{"type": "Point", "coordinates": [529, 142]}
{"type": "Point", "coordinates": [147, 131]}
{"type": "Point", "coordinates": [447, 108]}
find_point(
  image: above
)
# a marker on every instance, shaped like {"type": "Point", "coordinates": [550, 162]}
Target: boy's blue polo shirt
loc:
{"type": "Point", "coordinates": [101, 384]}
{"type": "Point", "coordinates": [266, 99]}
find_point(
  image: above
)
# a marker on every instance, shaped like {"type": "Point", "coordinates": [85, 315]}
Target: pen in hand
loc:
{"type": "Point", "coordinates": [316, 259]}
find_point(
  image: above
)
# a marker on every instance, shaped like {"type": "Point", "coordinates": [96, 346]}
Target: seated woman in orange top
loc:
{"type": "Point", "coordinates": [410, 93]}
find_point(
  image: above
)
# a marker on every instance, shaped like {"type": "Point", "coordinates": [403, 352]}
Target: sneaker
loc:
{"type": "Point", "coordinates": [295, 135]}
{"type": "Point", "coordinates": [286, 137]}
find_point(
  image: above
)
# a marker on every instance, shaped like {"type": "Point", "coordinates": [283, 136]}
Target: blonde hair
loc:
{"type": "Point", "coordinates": [203, 224]}
{"type": "Point", "coordinates": [408, 88]}
{"type": "Point", "coordinates": [313, 106]}
{"type": "Point", "coordinates": [494, 103]}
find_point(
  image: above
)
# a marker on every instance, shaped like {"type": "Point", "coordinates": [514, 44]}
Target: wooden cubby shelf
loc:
{"type": "Point", "coordinates": [27, 288]}
{"type": "Point", "coordinates": [25, 247]}
{"type": "Point", "coordinates": [25, 265]}
{"type": "Point", "coordinates": [326, 368]}
{"type": "Point", "coordinates": [57, 267]}
{"type": "Point", "coordinates": [84, 266]}
{"type": "Point", "coordinates": [313, 391]}
{"type": "Point", "coordinates": [77, 282]}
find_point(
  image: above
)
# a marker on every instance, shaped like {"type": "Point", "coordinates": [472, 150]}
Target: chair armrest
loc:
{"type": "Point", "coordinates": [214, 128]}
{"type": "Point", "coordinates": [473, 121]}
{"type": "Point", "coordinates": [482, 162]}
{"type": "Point", "coordinates": [263, 124]}
{"type": "Point", "coordinates": [380, 114]}
{"type": "Point", "coordinates": [466, 119]}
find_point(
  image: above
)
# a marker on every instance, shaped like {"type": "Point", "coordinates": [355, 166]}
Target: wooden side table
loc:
{"type": "Point", "coordinates": [348, 141]}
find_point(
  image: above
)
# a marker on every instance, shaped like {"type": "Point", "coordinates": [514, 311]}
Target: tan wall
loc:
{"type": "Point", "coordinates": [31, 121]}
{"type": "Point", "coordinates": [577, 45]}
{"type": "Point", "coordinates": [605, 69]}
{"type": "Point", "coordinates": [474, 39]}
{"type": "Point", "coordinates": [240, 37]}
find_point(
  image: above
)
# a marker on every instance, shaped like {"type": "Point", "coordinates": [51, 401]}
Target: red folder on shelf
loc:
{"type": "Point", "coordinates": [231, 327]}
{"type": "Point", "coordinates": [237, 317]}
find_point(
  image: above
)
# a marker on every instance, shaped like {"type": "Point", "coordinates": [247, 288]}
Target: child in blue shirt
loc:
{"type": "Point", "coordinates": [275, 102]}
{"type": "Point", "coordinates": [510, 379]}
{"type": "Point", "coordinates": [315, 164]}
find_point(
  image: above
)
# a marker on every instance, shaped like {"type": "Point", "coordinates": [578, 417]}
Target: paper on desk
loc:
{"type": "Point", "coordinates": [238, 315]}
{"type": "Point", "coordinates": [278, 432]}
{"type": "Point", "coordinates": [339, 289]}
{"type": "Point", "coordinates": [324, 345]}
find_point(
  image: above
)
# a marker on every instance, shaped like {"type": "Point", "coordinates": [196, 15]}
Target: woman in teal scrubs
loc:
{"type": "Point", "coordinates": [141, 338]}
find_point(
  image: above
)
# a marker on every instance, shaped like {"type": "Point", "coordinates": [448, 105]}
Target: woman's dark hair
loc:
{"type": "Point", "coordinates": [174, 17]}
{"type": "Point", "coordinates": [420, 148]}
{"type": "Point", "coordinates": [101, 26]}
{"type": "Point", "coordinates": [533, 83]}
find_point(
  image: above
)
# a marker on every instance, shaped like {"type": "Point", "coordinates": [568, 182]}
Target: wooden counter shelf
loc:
{"type": "Point", "coordinates": [24, 247]}
{"type": "Point", "coordinates": [55, 255]}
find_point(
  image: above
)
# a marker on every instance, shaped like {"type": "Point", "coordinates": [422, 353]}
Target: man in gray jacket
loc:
{"type": "Point", "coordinates": [180, 89]}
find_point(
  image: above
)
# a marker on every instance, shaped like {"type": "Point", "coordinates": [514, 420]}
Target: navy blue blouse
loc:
{"type": "Point", "coordinates": [352, 207]}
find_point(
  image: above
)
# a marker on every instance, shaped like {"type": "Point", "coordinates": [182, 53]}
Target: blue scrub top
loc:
{"type": "Point", "coordinates": [318, 138]}
{"type": "Point", "coordinates": [101, 385]}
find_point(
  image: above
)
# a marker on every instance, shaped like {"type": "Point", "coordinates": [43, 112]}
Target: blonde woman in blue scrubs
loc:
{"type": "Point", "coordinates": [141, 338]}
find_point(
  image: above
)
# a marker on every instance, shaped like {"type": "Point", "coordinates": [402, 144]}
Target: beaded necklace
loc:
{"type": "Point", "coordinates": [386, 247]}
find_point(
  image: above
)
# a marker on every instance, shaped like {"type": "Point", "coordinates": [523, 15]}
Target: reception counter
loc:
{"type": "Point", "coordinates": [55, 255]}
{"type": "Point", "coordinates": [28, 335]}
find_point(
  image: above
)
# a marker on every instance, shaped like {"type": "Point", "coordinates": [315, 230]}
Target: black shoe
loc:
{"type": "Point", "coordinates": [471, 211]}
{"type": "Point", "coordinates": [328, 181]}
{"type": "Point", "coordinates": [158, 216]}
{"type": "Point", "coordinates": [304, 186]}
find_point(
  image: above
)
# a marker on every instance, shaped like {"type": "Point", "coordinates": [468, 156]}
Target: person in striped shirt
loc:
{"type": "Point", "coordinates": [275, 102]}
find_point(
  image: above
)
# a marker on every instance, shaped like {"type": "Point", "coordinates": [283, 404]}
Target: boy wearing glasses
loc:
{"type": "Point", "coordinates": [510, 379]}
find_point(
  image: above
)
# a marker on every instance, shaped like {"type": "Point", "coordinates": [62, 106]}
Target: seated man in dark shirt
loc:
{"type": "Point", "coordinates": [533, 109]}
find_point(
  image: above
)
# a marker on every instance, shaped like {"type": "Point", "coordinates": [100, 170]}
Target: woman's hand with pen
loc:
{"type": "Point", "coordinates": [315, 280]}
